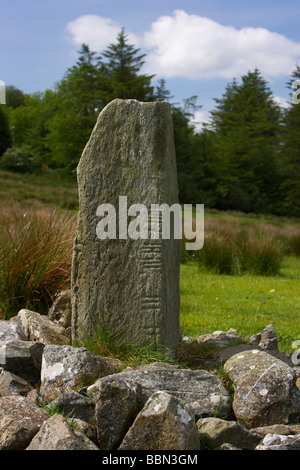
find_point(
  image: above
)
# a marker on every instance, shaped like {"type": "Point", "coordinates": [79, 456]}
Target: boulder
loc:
{"type": "Point", "coordinates": [265, 389]}
{"type": "Point", "coordinates": [214, 432]}
{"type": "Point", "coordinates": [20, 420]}
{"type": "Point", "coordinates": [11, 331]}
{"type": "Point", "coordinates": [23, 358]}
{"type": "Point", "coordinates": [163, 424]}
{"type": "Point", "coordinates": [57, 434]}
{"type": "Point", "coordinates": [41, 329]}
{"type": "Point", "coordinates": [75, 405]}
{"type": "Point", "coordinates": [65, 368]}
{"type": "Point", "coordinates": [279, 442]}
{"type": "Point", "coordinates": [266, 339]}
{"type": "Point", "coordinates": [202, 391]}
{"type": "Point", "coordinates": [61, 309]}
{"type": "Point", "coordinates": [116, 409]}
{"type": "Point", "coordinates": [11, 384]}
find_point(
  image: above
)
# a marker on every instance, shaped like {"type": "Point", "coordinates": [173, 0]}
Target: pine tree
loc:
{"type": "Point", "coordinates": [291, 152]}
{"type": "Point", "coordinates": [120, 66]}
{"type": "Point", "coordinates": [247, 123]}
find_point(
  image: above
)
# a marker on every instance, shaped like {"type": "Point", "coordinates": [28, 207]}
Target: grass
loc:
{"type": "Point", "coordinates": [35, 261]}
{"type": "Point", "coordinates": [47, 189]}
{"type": "Point", "coordinates": [35, 258]}
{"type": "Point", "coordinates": [247, 303]}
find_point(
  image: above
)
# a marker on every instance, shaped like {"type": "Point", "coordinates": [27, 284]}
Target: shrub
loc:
{"type": "Point", "coordinates": [35, 258]}
{"type": "Point", "coordinates": [20, 159]}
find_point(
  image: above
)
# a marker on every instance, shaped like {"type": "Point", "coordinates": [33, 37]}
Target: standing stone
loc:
{"type": "Point", "coordinates": [127, 286]}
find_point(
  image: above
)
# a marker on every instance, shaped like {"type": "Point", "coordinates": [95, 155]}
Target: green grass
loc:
{"type": "Point", "coordinates": [247, 303]}
{"type": "Point", "coordinates": [209, 301]}
{"type": "Point", "coordinates": [48, 188]}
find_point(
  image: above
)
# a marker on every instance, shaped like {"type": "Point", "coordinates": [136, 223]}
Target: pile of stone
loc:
{"type": "Point", "coordinates": [159, 406]}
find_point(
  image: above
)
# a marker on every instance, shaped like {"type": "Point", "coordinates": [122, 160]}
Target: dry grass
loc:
{"type": "Point", "coordinates": [35, 257]}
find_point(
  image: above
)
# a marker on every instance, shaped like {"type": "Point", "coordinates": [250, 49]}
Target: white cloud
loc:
{"type": "Point", "coordinates": [96, 31]}
{"type": "Point", "coordinates": [282, 102]}
{"type": "Point", "coordinates": [196, 47]}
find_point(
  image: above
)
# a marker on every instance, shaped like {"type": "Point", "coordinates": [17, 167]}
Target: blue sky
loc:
{"type": "Point", "coordinates": [197, 46]}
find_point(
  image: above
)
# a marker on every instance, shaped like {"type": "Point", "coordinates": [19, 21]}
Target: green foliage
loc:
{"type": "Point", "coordinates": [290, 201]}
{"type": "Point", "coordinates": [247, 123]}
{"type": "Point", "coordinates": [20, 160]}
{"type": "Point", "coordinates": [5, 135]}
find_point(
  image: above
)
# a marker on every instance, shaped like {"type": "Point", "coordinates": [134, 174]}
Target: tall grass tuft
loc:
{"type": "Point", "coordinates": [233, 248]}
{"type": "Point", "coordinates": [35, 258]}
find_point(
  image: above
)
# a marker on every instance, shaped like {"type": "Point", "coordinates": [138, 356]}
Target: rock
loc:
{"type": "Point", "coordinates": [202, 391]}
{"type": "Point", "coordinates": [87, 429]}
{"type": "Point", "coordinates": [11, 331]}
{"type": "Point", "coordinates": [282, 429]}
{"type": "Point", "coordinates": [57, 434]}
{"type": "Point", "coordinates": [116, 409]}
{"type": "Point", "coordinates": [11, 384]}
{"type": "Point", "coordinates": [75, 405]}
{"type": "Point", "coordinates": [278, 442]}
{"type": "Point", "coordinates": [266, 339]}
{"type": "Point", "coordinates": [20, 420]}
{"type": "Point", "coordinates": [219, 339]}
{"type": "Point", "coordinates": [227, 446]}
{"type": "Point", "coordinates": [41, 329]}
{"type": "Point", "coordinates": [61, 309]}
{"type": "Point", "coordinates": [265, 389]}
{"type": "Point", "coordinates": [24, 358]}
{"type": "Point", "coordinates": [127, 284]}
{"type": "Point", "coordinates": [163, 424]}
{"type": "Point", "coordinates": [65, 368]}
{"type": "Point", "coordinates": [214, 432]}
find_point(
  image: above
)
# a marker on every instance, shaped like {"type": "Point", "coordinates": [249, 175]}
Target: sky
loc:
{"type": "Point", "coordinates": [197, 46]}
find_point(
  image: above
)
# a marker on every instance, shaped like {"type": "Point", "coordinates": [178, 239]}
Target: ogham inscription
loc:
{"type": "Point", "coordinates": [129, 284]}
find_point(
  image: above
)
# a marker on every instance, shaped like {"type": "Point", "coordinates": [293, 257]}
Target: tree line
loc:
{"type": "Point", "coordinates": [246, 158]}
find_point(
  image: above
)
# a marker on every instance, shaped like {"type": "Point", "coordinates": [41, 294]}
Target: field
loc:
{"type": "Point", "coordinates": [212, 298]}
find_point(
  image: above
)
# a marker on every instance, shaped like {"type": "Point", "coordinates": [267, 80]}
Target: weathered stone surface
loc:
{"type": "Point", "coordinates": [61, 309]}
{"type": "Point", "coordinates": [214, 432]}
{"type": "Point", "coordinates": [20, 420]}
{"type": "Point", "coordinates": [219, 339]}
{"type": "Point", "coordinates": [203, 392]}
{"type": "Point", "coordinates": [89, 430]}
{"type": "Point", "coordinates": [41, 329]}
{"type": "Point", "coordinates": [65, 368]}
{"type": "Point", "coordinates": [75, 405]}
{"type": "Point", "coordinates": [282, 429]}
{"type": "Point", "coordinates": [116, 409]}
{"type": "Point", "coordinates": [128, 286]}
{"type": "Point", "coordinates": [163, 424]}
{"type": "Point", "coordinates": [11, 331]}
{"type": "Point", "coordinates": [57, 434]}
{"type": "Point", "coordinates": [266, 339]}
{"type": "Point", "coordinates": [11, 384]}
{"type": "Point", "coordinates": [23, 358]}
{"type": "Point", "coordinates": [278, 442]}
{"type": "Point", "coordinates": [265, 389]}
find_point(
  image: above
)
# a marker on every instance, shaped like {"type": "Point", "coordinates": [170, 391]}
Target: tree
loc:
{"type": "Point", "coordinates": [247, 123]}
{"type": "Point", "coordinates": [14, 97]}
{"type": "Point", "coordinates": [120, 66]}
{"type": "Point", "coordinates": [291, 153]}
{"type": "Point", "coordinates": [5, 135]}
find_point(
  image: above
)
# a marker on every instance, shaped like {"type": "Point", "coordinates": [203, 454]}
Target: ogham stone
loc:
{"type": "Point", "coordinates": [127, 286]}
